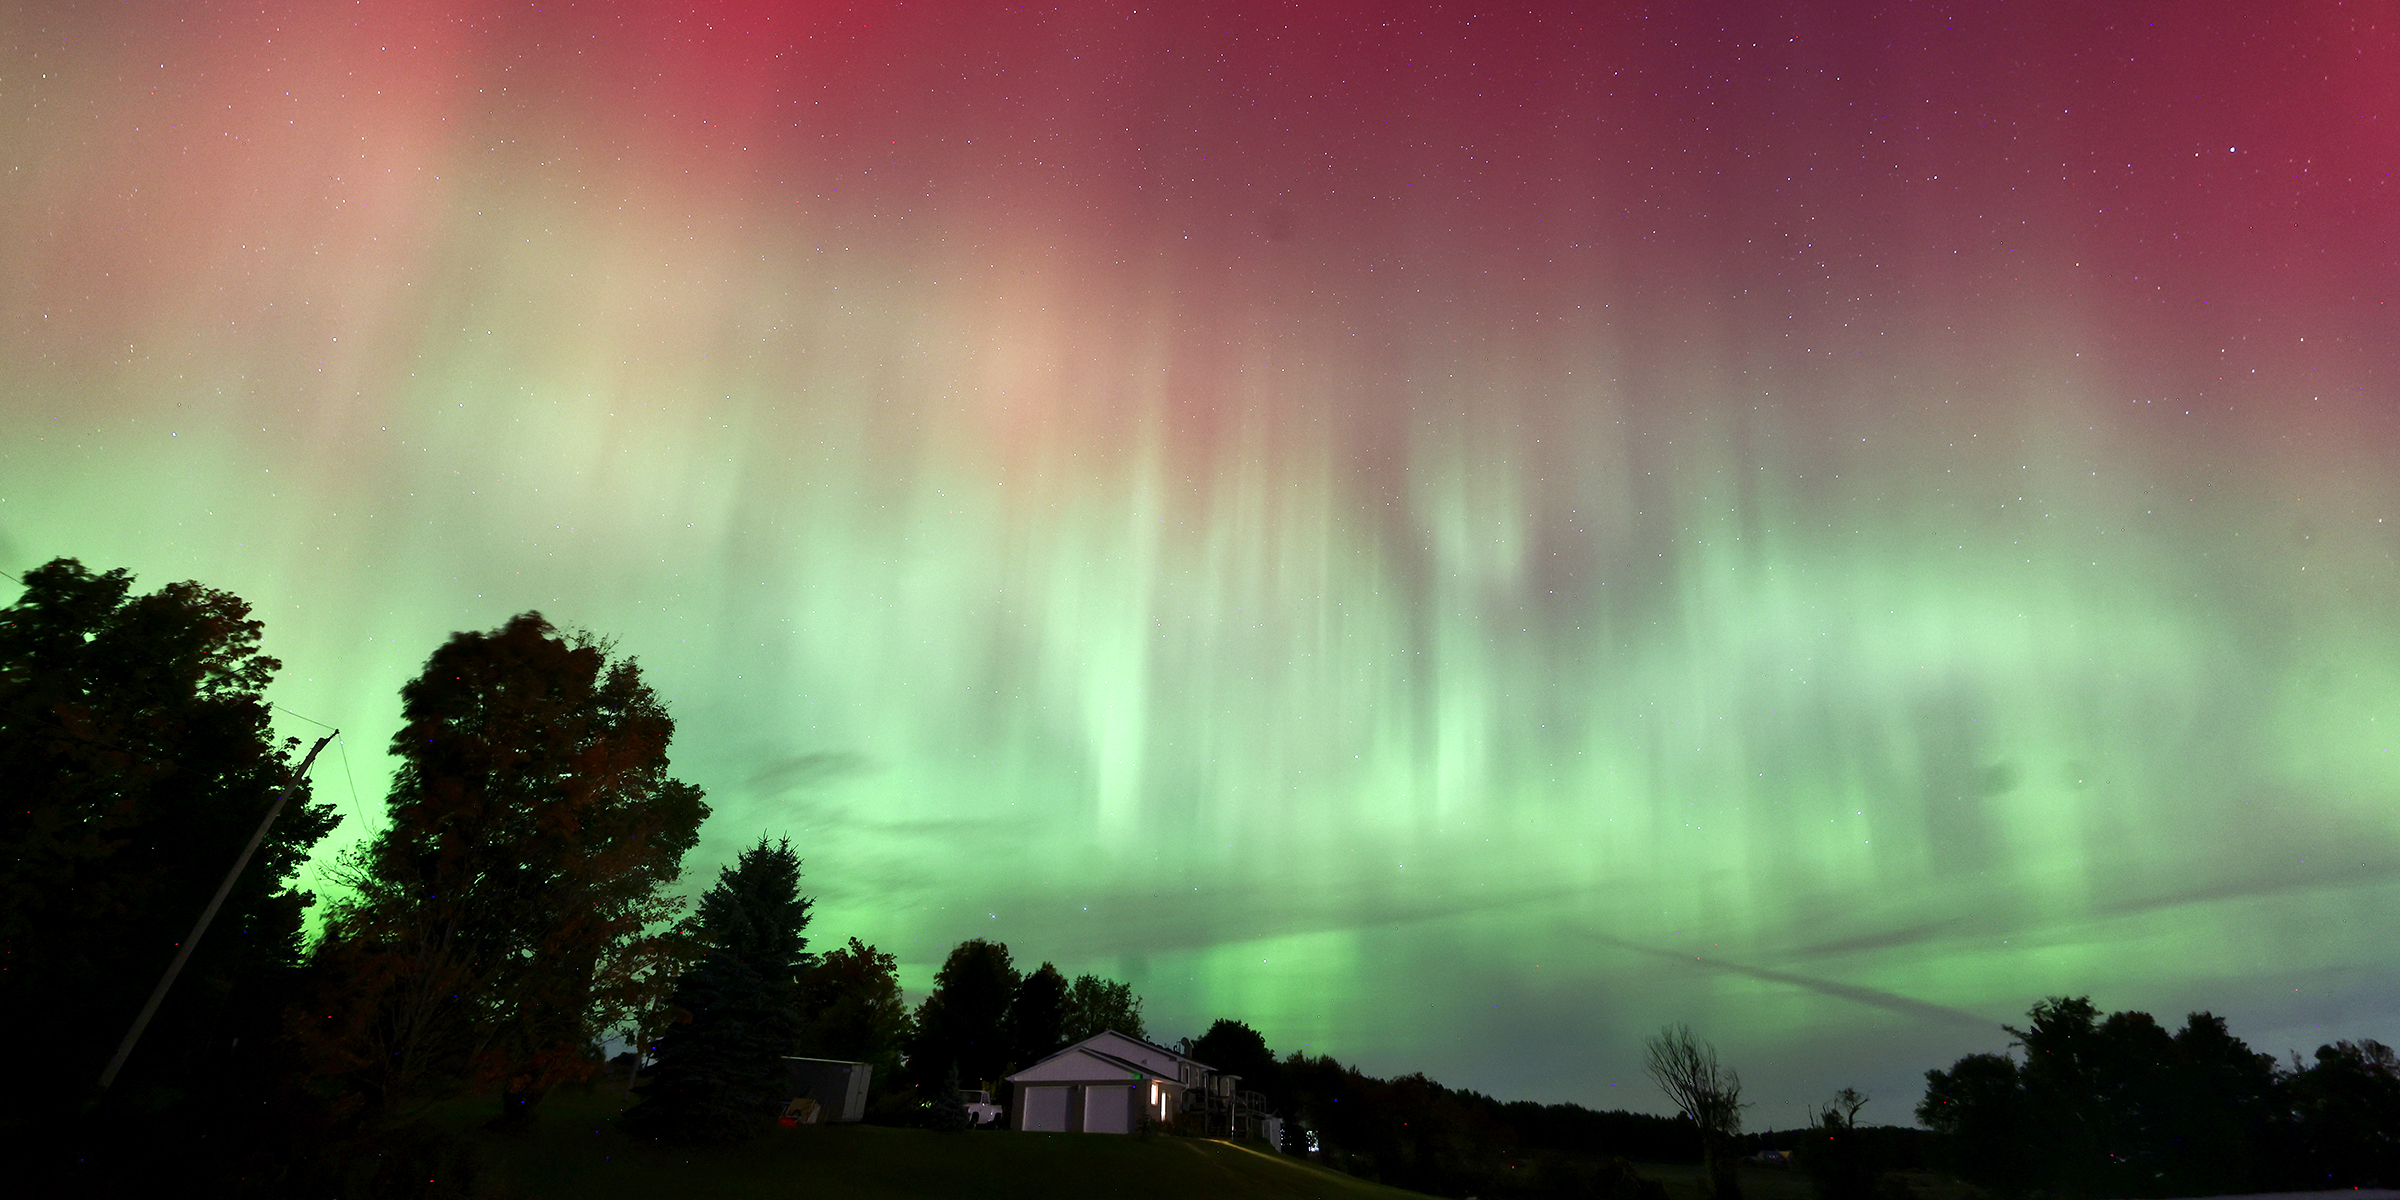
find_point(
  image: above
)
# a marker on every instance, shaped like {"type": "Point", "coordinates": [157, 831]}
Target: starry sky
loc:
{"type": "Point", "coordinates": [1454, 535]}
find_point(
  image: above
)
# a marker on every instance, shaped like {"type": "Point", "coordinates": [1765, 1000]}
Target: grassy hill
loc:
{"type": "Point", "coordinates": [574, 1150]}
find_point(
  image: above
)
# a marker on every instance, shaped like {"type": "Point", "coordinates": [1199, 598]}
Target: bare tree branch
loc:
{"type": "Point", "coordinates": [1687, 1070]}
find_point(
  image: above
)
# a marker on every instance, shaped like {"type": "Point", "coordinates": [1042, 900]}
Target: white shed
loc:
{"type": "Point", "coordinates": [838, 1087]}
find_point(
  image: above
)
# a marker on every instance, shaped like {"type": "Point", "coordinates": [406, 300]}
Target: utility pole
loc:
{"type": "Point", "coordinates": [184, 952]}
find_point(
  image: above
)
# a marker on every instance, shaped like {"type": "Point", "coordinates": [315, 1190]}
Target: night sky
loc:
{"type": "Point", "coordinates": [1457, 537]}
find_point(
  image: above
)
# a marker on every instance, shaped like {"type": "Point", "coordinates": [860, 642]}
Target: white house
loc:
{"type": "Point", "coordinates": [1106, 1083]}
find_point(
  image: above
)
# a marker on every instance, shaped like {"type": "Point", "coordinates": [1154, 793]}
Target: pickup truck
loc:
{"type": "Point", "coordinates": [980, 1109]}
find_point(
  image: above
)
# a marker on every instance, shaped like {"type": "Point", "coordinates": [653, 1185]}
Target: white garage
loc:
{"type": "Point", "coordinates": [1108, 1108]}
{"type": "Point", "coordinates": [1043, 1107]}
{"type": "Point", "coordinates": [1109, 1083]}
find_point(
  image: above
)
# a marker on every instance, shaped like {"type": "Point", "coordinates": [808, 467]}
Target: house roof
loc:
{"type": "Point", "coordinates": [1111, 1055]}
{"type": "Point", "coordinates": [1151, 1053]}
{"type": "Point", "coordinates": [1082, 1064]}
{"type": "Point", "coordinates": [1148, 1045]}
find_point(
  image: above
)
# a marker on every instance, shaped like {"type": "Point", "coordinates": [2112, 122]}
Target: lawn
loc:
{"type": "Point", "coordinates": [575, 1150]}
{"type": "Point", "coordinates": [1689, 1182]}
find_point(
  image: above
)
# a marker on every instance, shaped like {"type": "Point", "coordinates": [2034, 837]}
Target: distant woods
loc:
{"type": "Point", "coordinates": [2087, 1106]}
{"type": "Point", "coordinates": [1412, 1132]}
{"type": "Point", "coordinates": [2118, 1106]}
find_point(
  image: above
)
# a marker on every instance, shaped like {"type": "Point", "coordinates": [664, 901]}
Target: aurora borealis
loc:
{"type": "Point", "coordinates": [1456, 537]}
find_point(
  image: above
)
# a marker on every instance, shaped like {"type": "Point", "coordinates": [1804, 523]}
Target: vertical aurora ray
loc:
{"type": "Point", "coordinates": [1428, 534]}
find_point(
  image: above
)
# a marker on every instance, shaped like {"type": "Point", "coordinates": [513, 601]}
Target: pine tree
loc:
{"type": "Point", "coordinates": [949, 1113]}
{"type": "Point", "coordinates": [720, 1074]}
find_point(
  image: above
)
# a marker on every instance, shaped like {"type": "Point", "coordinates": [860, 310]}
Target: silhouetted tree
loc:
{"type": "Point", "coordinates": [1979, 1109]}
{"type": "Point", "coordinates": [2100, 1094]}
{"type": "Point", "coordinates": [1096, 1005]}
{"type": "Point", "coordinates": [1234, 1048]}
{"type": "Point", "coordinates": [718, 1071]}
{"type": "Point", "coordinates": [947, 1112]}
{"type": "Point", "coordinates": [850, 1008]}
{"type": "Point", "coordinates": [137, 760]}
{"type": "Point", "coordinates": [1645, 1137]}
{"type": "Point", "coordinates": [1687, 1070]}
{"type": "Point", "coordinates": [1839, 1157]}
{"type": "Point", "coordinates": [2065, 1078]}
{"type": "Point", "coordinates": [1413, 1132]}
{"type": "Point", "coordinates": [2348, 1105]}
{"type": "Point", "coordinates": [2139, 1117]}
{"type": "Point", "coordinates": [1037, 1017]}
{"type": "Point", "coordinates": [962, 1023]}
{"type": "Point", "coordinates": [1408, 1132]}
{"type": "Point", "coordinates": [2229, 1112]}
{"type": "Point", "coordinates": [2114, 1106]}
{"type": "Point", "coordinates": [720, 1074]}
{"type": "Point", "coordinates": [501, 921]}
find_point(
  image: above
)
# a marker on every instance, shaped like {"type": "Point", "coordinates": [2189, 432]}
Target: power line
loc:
{"type": "Point", "coordinates": [311, 720]}
{"type": "Point", "coordinates": [183, 949]}
{"type": "Point", "coordinates": [357, 809]}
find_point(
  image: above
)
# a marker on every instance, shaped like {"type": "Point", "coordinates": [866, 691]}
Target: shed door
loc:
{"type": "Point", "coordinates": [1108, 1108]}
{"type": "Point", "coordinates": [1045, 1108]}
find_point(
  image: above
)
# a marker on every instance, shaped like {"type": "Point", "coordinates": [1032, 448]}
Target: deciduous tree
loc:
{"type": "Point", "coordinates": [1687, 1070]}
{"type": "Point", "coordinates": [2348, 1104]}
{"type": "Point", "coordinates": [851, 1009]}
{"type": "Point", "coordinates": [1096, 1005]}
{"type": "Point", "coordinates": [963, 1021]}
{"type": "Point", "coordinates": [2117, 1106]}
{"type": "Point", "coordinates": [138, 760]}
{"type": "Point", "coordinates": [1234, 1048]}
{"type": "Point", "coordinates": [1978, 1107]}
{"type": "Point", "coordinates": [2230, 1111]}
{"type": "Point", "coordinates": [507, 916]}
{"type": "Point", "coordinates": [1839, 1158]}
{"type": "Point", "coordinates": [1037, 1017]}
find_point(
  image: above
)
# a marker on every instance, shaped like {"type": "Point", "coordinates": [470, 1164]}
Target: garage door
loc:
{"type": "Point", "coordinates": [1108, 1108]}
{"type": "Point", "coordinates": [1045, 1108]}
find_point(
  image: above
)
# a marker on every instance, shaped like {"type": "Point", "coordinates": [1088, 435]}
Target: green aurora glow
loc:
{"type": "Point", "coordinates": [1458, 631]}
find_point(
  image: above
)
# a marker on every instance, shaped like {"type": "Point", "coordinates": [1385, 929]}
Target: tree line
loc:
{"type": "Point", "coordinates": [2115, 1105]}
{"type": "Point", "coordinates": [2082, 1105]}
{"type": "Point", "coordinates": [1411, 1131]}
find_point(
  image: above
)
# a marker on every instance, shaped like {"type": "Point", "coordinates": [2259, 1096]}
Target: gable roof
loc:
{"type": "Point", "coordinates": [1127, 1046]}
{"type": "Point", "coordinates": [1111, 1055]}
{"type": "Point", "coordinates": [1082, 1064]}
